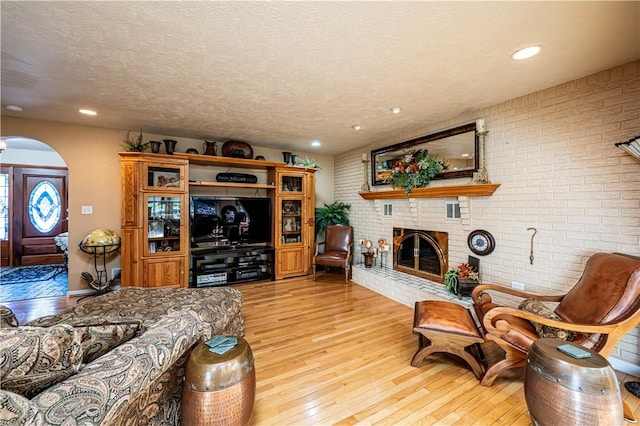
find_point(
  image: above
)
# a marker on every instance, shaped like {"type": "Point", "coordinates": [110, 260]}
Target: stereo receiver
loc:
{"type": "Point", "coordinates": [216, 278]}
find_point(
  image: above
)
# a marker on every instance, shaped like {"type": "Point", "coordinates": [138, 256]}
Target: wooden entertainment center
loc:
{"type": "Point", "coordinates": [156, 248]}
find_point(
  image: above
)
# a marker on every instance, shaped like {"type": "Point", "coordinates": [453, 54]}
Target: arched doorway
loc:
{"type": "Point", "coordinates": [33, 219]}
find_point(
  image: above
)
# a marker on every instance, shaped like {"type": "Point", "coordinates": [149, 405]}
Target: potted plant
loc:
{"type": "Point", "coordinates": [309, 164]}
{"type": "Point", "coordinates": [336, 213]}
{"type": "Point", "coordinates": [134, 145]}
{"type": "Point", "coordinates": [462, 280]}
{"type": "Point", "coordinates": [451, 280]}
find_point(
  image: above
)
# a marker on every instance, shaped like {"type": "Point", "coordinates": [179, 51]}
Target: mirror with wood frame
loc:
{"type": "Point", "coordinates": [456, 149]}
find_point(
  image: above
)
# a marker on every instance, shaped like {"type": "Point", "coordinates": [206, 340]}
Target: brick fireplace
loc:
{"type": "Point", "coordinates": [421, 253]}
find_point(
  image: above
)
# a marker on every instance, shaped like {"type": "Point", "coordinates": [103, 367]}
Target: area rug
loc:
{"type": "Point", "coordinates": [22, 274]}
{"type": "Point", "coordinates": [54, 287]}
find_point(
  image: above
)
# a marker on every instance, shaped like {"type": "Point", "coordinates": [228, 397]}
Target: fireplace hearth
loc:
{"type": "Point", "coordinates": [421, 253]}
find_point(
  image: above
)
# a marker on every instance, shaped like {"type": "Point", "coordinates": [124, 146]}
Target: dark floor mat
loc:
{"type": "Point", "coordinates": [633, 387]}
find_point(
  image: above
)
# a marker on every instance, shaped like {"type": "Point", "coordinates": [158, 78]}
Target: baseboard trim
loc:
{"type": "Point", "coordinates": [74, 293]}
{"type": "Point", "coordinates": [88, 291]}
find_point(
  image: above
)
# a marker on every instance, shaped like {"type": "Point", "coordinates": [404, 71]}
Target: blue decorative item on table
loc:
{"type": "Point", "coordinates": [221, 344]}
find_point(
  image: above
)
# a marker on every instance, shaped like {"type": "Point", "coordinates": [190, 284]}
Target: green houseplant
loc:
{"type": "Point", "coordinates": [336, 213]}
{"type": "Point", "coordinates": [451, 280]}
{"type": "Point", "coordinates": [134, 145]}
{"type": "Point", "coordinates": [461, 280]}
{"type": "Point", "coordinates": [309, 164]}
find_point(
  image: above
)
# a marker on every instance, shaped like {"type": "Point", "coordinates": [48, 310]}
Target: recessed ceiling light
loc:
{"type": "Point", "coordinates": [87, 112]}
{"type": "Point", "coordinates": [527, 52]}
{"type": "Point", "coordinates": [395, 110]}
{"type": "Point", "coordinates": [15, 108]}
{"type": "Point", "coordinates": [356, 127]}
{"type": "Point", "coordinates": [465, 155]}
{"type": "Point", "coordinates": [315, 143]}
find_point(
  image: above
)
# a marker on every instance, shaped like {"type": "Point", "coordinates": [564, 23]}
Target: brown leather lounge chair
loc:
{"type": "Point", "coordinates": [338, 250]}
{"type": "Point", "coordinates": [600, 309]}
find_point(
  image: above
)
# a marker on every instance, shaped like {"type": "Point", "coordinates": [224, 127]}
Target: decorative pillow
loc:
{"type": "Point", "coordinates": [536, 307]}
{"type": "Point", "coordinates": [34, 358]}
{"type": "Point", "coordinates": [7, 318]}
{"type": "Point", "coordinates": [98, 334]}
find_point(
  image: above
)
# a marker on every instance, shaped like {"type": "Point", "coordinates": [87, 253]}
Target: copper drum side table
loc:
{"type": "Point", "coordinates": [219, 389]}
{"type": "Point", "coordinates": [562, 390]}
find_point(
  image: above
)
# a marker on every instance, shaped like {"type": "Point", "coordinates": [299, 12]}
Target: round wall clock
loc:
{"type": "Point", "coordinates": [481, 242]}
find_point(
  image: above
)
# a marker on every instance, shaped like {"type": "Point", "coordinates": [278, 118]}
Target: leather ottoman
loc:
{"type": "Point", "coordinates": [450, 328]}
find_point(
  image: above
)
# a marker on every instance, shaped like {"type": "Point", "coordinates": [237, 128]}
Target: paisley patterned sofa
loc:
{"type": "Point", "coordinates": [138, 382]}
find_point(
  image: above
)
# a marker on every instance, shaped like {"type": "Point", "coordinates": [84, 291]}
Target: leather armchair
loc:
{"type": "Point", "coordinates": [338, 250]}
{"type": "Point", "coordinates": [600, 309]}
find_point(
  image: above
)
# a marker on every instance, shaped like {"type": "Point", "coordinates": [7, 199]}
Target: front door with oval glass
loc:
{"type": "Point", "coordinates": [40, 213]}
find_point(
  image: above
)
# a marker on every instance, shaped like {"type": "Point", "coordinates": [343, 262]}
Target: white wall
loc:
{"type": "Point", "coordinates": [553, 154]}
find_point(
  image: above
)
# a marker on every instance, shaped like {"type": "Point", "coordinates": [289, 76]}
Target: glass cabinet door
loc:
{"type": "Point", "coordinates": [291, 183]}
{"type": "Point", "coordinates": [163, 226]}
{"type": "Point", "coordinates": [163, 177]}
{"type": "Point", "coordinates": [291, 225]}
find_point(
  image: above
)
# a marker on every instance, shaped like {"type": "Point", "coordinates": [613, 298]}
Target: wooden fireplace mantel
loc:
{"type": "Point", "coordinates": [470, 190]}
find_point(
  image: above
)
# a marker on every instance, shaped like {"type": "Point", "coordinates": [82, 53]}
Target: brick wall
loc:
{"type": "Point", "coordinates": [553, 154]}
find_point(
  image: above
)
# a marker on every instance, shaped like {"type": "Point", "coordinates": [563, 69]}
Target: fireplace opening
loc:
{"type": "Point", "coordinates": [421, 253]}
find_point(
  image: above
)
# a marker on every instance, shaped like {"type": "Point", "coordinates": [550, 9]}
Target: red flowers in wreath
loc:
{"type": "Point", "coordinates": [415, 171]}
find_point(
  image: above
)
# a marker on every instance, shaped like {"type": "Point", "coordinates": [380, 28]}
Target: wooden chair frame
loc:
{"type": "Point", "coordinates": [496, 324]}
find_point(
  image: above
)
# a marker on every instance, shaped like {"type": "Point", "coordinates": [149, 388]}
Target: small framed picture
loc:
{"type": "Point", "coordinates": [165, 177]}
{"type": "Point", "coordinates": [156, 229]}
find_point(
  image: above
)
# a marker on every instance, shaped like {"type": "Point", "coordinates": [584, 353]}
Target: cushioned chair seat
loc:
{"type": "Point", "coordinates": [332, 258]}
{"type": "Point", "coordinates": [521, 335]}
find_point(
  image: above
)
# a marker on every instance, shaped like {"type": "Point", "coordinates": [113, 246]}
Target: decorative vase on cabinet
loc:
{"type": "Point", "coordinates": [209, 148]}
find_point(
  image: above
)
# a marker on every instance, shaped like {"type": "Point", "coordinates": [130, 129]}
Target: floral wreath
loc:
{"type": "Point", "coordinates": [414, 171]}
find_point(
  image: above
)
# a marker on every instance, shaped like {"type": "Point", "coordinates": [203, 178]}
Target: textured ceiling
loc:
{"type": "Point", "coordinates": [281, 74]}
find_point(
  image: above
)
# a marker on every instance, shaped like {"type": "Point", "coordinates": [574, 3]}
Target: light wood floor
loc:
{"type": "Point", "coordinates": [329, 353]}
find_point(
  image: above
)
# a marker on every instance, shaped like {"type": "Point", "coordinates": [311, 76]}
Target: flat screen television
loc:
{"type": "Point", "coordinates": [230, 221]}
